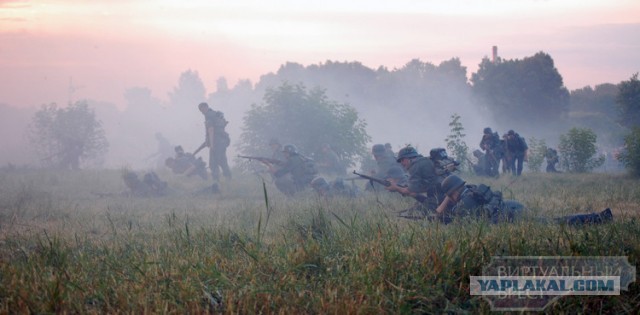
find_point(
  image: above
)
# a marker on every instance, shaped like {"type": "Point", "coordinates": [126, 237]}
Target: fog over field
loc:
{"type": "Point", "coordinates": [405, 67]}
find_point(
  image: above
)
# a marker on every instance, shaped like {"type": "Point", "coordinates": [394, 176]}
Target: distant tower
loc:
{"type": "Point", "coordinates": [495, 54]}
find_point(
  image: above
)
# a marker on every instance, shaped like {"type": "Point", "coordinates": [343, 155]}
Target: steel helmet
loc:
{"type": "Point", "coordinates": [451, 183]}
{"type": "Point", "coordinates": [378, 149]}
{"type": "Point", "coordinates": [407, 153]}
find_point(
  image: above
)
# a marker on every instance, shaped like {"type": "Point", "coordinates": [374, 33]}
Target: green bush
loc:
{"type": "Point", "coordinates": [577, 150]}
{"type": "Point", "coordinates": [537, 151]}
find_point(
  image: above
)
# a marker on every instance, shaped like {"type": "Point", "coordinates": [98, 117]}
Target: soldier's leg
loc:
{"type": "Point", "coordinates": [590, 218]}
{"type": "Point", "coordinates": [214, 166]}
{"type": "Point", "coordinates": [519, 166]}
{"type": "Point", "coordinates": [223, 163]}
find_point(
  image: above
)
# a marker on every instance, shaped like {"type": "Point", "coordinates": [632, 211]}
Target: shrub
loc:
{"type": "Point", "coordinates": [577, 150]}
{"type": "Point", "coordinates": [455, 142]}
{"type": "Point", "coordinates": [536, 154]}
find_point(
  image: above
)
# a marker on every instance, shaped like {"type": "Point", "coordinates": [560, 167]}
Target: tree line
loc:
{"type": "Point", "coordinates": [527, 92]}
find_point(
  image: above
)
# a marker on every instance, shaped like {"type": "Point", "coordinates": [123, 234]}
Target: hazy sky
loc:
{"type": "Point", "coordinates": [109, 46]}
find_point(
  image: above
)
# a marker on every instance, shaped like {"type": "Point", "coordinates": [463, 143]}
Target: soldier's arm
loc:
{"type": "Point", "coordinates": [442, 207]}
{"type": "Point", "coordinates": [405, 191]}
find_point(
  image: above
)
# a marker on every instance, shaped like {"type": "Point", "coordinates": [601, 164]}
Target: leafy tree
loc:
{"type": "Point", "coordinates": [306, 119]}
{"type": "Point", "coordinates": [630, 156]}
{"type": "Point", "coordinates": [628, 100]}
{"type": "Point", "coordinates": [190, 90]}
{"type": "Point", "coordinates": [455, 142]}
{"type": "Point", "coordinates": [600, 99]}
{"type": "Point", "coordinates": [67, 137]}
{"type": "Point", "coordinates": [577, 149]}
{"type": "Point", "coordinates": [596, 109]}
{"type": "Point", "coordinates": [536, 154]}
{"type": "Point", "coordinates": [527, 90]}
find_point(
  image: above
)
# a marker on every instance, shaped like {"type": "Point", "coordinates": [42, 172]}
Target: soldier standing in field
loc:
{"type": "Point", "coordinates": [518, 149]}
{"type": "Point", "coordinates": [217, 139]}
{"type": "Point", "coordinates": [493, 147]}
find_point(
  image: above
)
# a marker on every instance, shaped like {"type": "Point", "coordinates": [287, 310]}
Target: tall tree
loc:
{"type": "Point", "coordinates": [628, 100]}
{"type": "Point", "coordinates": [306, 119]}
{"type": "Point", "coordinates": [527, 90]}
{"type": "Point", "coordinates": [595, 108]}
{"type": "Point", "coordinates": [67, 137]}
{"type": "Point", "coordinates": [190, 90]}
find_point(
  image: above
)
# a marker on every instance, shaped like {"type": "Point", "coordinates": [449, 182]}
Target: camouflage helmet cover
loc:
{"type": "Point", "coordinates": [407, 153]}
{"type": "Point", "coordinates": [451, 183]}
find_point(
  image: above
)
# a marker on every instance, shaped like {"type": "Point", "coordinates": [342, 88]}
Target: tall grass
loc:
{"type": "Point", "coordinates": [251, 250]}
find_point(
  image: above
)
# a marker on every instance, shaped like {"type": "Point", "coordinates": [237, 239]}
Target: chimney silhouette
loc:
{"type": "Point", "coordinates": [495, 54]}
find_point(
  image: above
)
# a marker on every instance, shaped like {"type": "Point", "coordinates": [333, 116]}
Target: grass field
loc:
{"type": "Point", "coordinates": [65, 249]}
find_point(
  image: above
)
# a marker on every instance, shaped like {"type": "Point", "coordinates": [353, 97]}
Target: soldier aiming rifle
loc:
{"type": "Point", "coordinates": [387, 183]}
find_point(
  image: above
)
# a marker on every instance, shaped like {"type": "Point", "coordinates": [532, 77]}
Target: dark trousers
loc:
{"type": "Point", "coordinates": [516, 163]}
{"type": "Point", "coordinates": [217, 161]}
{"type": "Point", "coordinates": [589, 218]}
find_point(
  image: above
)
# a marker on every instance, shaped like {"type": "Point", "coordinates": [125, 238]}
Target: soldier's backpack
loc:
{"type": "Point", "coordinates": [443, 164]}
{"type": "Point", "coordinates": [221, 123]}
{"type": "Point", "coordinates": [490, 200]}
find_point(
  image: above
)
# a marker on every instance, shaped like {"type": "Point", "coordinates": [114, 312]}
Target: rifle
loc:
{"type": "Point", "coordinates": [387, 183]}
{"type": "Point", "coordinates": [446, 166]}
{"type": "Point", "coordinates": [204, 144]}
{"type": "Point", "coordinates": [264, 160]}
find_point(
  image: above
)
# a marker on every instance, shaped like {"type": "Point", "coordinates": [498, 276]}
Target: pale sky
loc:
{"type": "Point", "coordinates": [109, 46]}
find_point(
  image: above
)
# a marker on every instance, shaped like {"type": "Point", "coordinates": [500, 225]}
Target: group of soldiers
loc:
{"type": "Point", "coordinates": [511, 149]}
{"type": "Point", "coordinates": [439, 193]}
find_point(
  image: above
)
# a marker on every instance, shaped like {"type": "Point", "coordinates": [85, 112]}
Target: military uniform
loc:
{"type": "Point", "coordinates": [294, 174]}
{"type": "Point", "coordinates": [151, 185]}
{"type": "Point", "coordinates": [423, 179]}
{"type": "Point", "coordinates": [480, 201]}
{"type": "Point", "coordinates": [516, 146]}
{"type": "Point", "coordinates": [552, 159]}
{"type": "Point", "coordinates": [493, 147]}
{"type": "Point", "coordinates": [217, 152]}
{"type": "Point", "coordinates": [386, 165]}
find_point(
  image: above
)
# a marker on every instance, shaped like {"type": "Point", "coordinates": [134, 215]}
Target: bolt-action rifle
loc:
{"type": "Point", "coordinates": [261, 159]}
{"type": "Point", "coordinates": [446, 166]}
{"type": "Point", "coordinates": [204, 144]}
{"type": "Point", "coordinates": [387, 183]}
